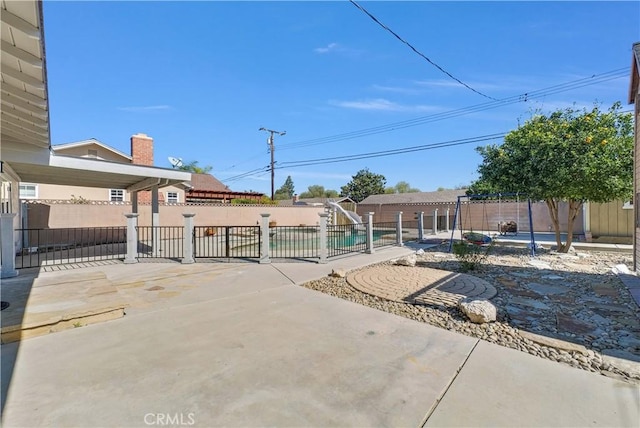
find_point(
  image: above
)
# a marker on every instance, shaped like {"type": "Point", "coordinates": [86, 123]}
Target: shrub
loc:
{"type": "Point", "coordinates": [471, 256]}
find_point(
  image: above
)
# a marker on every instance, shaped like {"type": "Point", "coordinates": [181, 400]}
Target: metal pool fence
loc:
{"type": "Point", "coordinates": [164, 242]}
{"type": "Point", "coordinates": [72, 245]}
{"type": "Point", "coordinates": [384, 234]}
{"type": "Point", "coordinates": [294, 242]}
{"type": "Point", "coordinates": [42, 247]}
{"type": "Point", "coordinates": [215, 242]}
{"type": "Point", "coordinates": [346, 238]}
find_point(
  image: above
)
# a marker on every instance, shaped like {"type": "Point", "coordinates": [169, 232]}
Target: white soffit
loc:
{"type": "Point", "coordinates": [24, 110]}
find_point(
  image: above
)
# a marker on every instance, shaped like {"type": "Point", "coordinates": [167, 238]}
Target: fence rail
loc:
{"type": "Point", "coordinates": [293, 242]}
{"type": "Point", "coordinates": [42, 247]}
{"type": "Point", "coordinates": [226, 242]}
{"type": "Point", "coordinates": [160, 242]}
{"type": "Point", "coordinates": [346, 238]}
{"type": "Point", "coordinates": [384, 234]}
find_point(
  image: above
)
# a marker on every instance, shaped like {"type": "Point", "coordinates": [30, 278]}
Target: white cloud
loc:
{"type": "Point", "coordinates": [144, 108]}
{"type": "Point", "coordinates": [331, 47]}
{"type": "Point", "coordinates": [381, 104]}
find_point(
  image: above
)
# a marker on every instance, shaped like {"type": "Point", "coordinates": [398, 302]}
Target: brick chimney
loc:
{"type": "Point", "coordinates": [142, 154]}
{"type": "Point", "coordinates": [142, 149]}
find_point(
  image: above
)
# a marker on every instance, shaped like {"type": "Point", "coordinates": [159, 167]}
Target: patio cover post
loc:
{"type": "Point", "coordinates": [323, 237]}
{"type": "Point", "coordinates": [420, 225]}
{"type": "Point", "coordinates": [435, 221]}
{"type": "Point", "coordinates": [264, 250]}
{"type": "Point", "coordinates": [399, 229]}
{"type": "Point", "coordinates": [188, 239]}
{"type": "Point", "coordinates": [370, 249]}
{"type": "Point", "coordinates": [132, 238]}
{"type": "Point", "coordinates": [8, 267]}
{"type": "Point", "coordinates": [155, 222]}
{"type": "Point", "coordinates": [134, 202]}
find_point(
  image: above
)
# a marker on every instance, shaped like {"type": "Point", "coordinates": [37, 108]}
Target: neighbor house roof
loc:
{"type": "Point", "coordinates": [207, 183]}
{"type": "Point", "coordinates": [58, 148]}
{"type": "Point", "coordinates": [635, 73]}
{"type": "Point", "coordinates": [442, 196]}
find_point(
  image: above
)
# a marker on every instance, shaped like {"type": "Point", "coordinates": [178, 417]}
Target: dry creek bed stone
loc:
{"type": "Point", "coordinates": [569, 308]}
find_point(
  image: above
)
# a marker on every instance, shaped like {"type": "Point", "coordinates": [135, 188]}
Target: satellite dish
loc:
{"type": "Point", "coordinates": [176, 162]}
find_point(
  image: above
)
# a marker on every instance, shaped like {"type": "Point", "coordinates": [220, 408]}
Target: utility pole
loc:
{"type": "Point", "coordinates": [271, 149]}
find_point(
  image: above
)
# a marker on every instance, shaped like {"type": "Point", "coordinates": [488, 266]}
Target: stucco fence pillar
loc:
{"type": "Point", "coordinates": [370, 249]}
{"type": "Point", "coordinates": [264, 247]}
{"type": "Point", "coordinates": [399, 229]}
{"type": "Point", "coordinates": [132, 238]}
{"type": "Point", "coordinates": [188, 239]}
{"type": "Point", "coordinates": [8, 267]}
{"type": "Point", "coordinates": [322, 247]}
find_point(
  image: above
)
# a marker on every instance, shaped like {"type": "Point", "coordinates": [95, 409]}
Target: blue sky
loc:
{"type": "Point", "coordinates": [202, 77]}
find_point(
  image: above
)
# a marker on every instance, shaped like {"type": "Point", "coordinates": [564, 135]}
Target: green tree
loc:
{"type": "Point", "coordinates": [570, 155]}
{"type": "Point", "coordinates": [317, 191]}
{"type": "Point", "coordinates": [193, 167]}
{"type": "Point", "coordinates": [363, 184]}
{"type": "Point", "coordinates": [286, 191]}
{"type": "Point", "coordinates": [401, 187]}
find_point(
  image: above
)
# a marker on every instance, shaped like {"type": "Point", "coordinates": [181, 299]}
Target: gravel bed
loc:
{"type": "Point", "coordinates": [611, 349]}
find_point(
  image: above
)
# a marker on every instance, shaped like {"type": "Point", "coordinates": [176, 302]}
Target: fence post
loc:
{"type": "Point", "coordinates": [435, 221]}
{"type": "Point", "coordinates": [323, 237]}
{"type": "Point", "coordinates": [132, 238]}
{"type": "Point", "coordinates": [446, 220]}
{"type": "Point", "coordinates": [8, 267]}
{"type": "Point", "coordinates": [370, 249]}
{"type": "Point", "coordinates": [188, 239]}
{"type": "Point", "coordinates": [264, 251]}
{"type": "Point", "coordinates": [399, 229]}
{"type": "Point", "coordinates": [420, 225]}
{"type": "Point", "coordinates": [155, 223]}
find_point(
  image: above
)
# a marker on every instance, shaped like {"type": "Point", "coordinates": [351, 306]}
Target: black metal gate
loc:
{"type": "Point", "coordinates": [212, 242]}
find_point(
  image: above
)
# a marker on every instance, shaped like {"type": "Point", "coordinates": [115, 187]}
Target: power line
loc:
{"type": "Point", "coordinates": [418, 52]}
{"type": "Point", "coordinates": [346, 158]}
{"type": "Point", "coordinates": [525, 97]}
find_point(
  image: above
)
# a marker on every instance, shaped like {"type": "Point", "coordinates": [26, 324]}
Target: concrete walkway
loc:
{"type": "Point", "coordinates": [243, 345]}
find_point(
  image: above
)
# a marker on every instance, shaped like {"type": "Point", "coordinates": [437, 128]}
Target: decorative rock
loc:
{"type": "Point", "coordinates": [420, 252]}
{"type": "Point", "coordinates": [478, 311]}
{"type": "Point", "coordinates": [338, 273]}
{"type": "Point", "coordinates": [409, 260]}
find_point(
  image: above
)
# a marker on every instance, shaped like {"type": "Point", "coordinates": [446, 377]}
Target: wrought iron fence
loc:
{"type": "Point", "coordinates": [384, 234]}
{"type": "Point", "coordinates": [166, 242]}
{"type": "Point", "coordinates": [294, 242]}
{"type": "Point", "coordinates": [346, 238]}
{"type": "Point", "coordinates": [226, 242]}
{"type": "Point", "coordinates": [41, 247]}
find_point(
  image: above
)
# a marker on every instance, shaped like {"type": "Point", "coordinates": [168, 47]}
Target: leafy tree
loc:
{"type": "Point", "coordinates": [363, 184]}
{"type": "Point", "coordinates": [401, 187]}
{"type": "Point", "coordinates": [569, 155]}
{"type": "Point", "coordinates": [286, 191]}
{"type": "Point", "coordinates": [193, 167]}
{"type": "Point", "coordinates": [317, 191]}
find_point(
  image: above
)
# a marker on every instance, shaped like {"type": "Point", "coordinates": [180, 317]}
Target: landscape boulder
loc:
{"type": "Point", "coordinates": [478, 311]}
{"type": "Point", "coordinates": [409, 260]}
{"type": "Point", "coordinates": [338, 273]}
